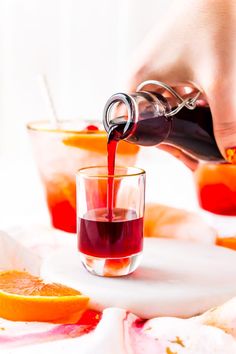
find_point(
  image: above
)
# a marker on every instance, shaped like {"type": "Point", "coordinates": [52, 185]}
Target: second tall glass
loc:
{"type": "Point", "coordinates": [60, 152]}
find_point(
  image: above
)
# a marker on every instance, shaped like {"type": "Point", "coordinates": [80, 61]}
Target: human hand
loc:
{"type": "Point", "coordinates": [196, 44]}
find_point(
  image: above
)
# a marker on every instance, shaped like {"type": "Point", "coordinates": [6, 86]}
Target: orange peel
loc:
{"type": "Point", "coordinates": [97, 142]}
{"type": "Point", "coordinates": [24, 297]}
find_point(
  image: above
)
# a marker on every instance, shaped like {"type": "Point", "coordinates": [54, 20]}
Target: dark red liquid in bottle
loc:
{"type": "Point", "coordinates": [121, 237]}
{"type": "Point", "coordinates": [191, 131]}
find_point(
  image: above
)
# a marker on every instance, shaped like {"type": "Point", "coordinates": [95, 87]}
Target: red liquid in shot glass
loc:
{"type": "Point", "coordinates": [100, 237]}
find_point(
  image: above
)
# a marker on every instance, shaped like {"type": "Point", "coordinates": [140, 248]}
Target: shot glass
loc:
{"type": "Point", "coordinates": [110, 245]}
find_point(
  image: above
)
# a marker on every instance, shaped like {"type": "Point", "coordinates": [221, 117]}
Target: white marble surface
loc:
{"type": "Point", "coordinates": [175, 278]}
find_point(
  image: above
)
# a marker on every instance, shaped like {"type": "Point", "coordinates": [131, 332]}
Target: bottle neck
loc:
{"type": "Point", "coordinates": [125, 114]}
{"type": "Point", "coordinates": [120, 111]}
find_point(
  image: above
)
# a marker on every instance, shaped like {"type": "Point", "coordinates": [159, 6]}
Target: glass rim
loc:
{"type": "Point", "coordinates": [82, 172]}
{"type": "Point", "coordinates": [35, 126]}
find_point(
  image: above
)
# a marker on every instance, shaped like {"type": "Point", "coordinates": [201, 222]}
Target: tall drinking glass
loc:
{"type": "Point", "coordinates": [216, 189]}
{"type": "Point", "coordinates": [60, 152]}
{"type": "Point", "coordinates": [110, 246]}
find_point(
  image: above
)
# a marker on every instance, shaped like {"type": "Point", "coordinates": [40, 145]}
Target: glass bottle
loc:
{"type": "Point", "coordinates": [161, 116]}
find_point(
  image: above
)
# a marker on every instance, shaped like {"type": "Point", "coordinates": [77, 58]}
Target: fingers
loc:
{"type": "Point", "coordinates": [188, 160]}
{"type": "Point", "coordinates": [223, 108]}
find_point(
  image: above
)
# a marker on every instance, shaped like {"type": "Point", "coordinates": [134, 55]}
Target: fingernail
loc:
{"type": "Point", "coordinates": [231, 155]}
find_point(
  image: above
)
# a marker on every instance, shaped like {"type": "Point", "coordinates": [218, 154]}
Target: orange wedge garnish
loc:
{"type": "Point", "coordinates": [97, 142]}
{"type": "Point", "coordinates": [24, 297]}
{"type": "Point", "coordinates": [229, 242]}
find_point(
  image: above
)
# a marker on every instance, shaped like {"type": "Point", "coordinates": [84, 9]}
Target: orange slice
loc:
{"type": "Point", "coordinates": [97, 142]}
{"type": "Point", "coordinates": [229, 242]}
{"type": "Point", "coordinates": [24, 297]}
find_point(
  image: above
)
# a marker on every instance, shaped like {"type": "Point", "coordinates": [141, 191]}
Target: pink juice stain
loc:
{"type": "Point", "coordinates": [86, 324]}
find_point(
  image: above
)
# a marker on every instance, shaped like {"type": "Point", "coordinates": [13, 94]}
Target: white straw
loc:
{"type": "Point", "coordinates": [46, 92]}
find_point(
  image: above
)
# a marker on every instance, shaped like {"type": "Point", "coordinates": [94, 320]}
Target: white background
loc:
{"type": "Point", "coordinates": [85, 48]}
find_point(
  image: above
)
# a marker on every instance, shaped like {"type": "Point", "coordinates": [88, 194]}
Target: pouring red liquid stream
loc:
{"type": "Point", "coordinates": [111, 155]}
{"type": "Point", "coordinates": [114, 136]}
